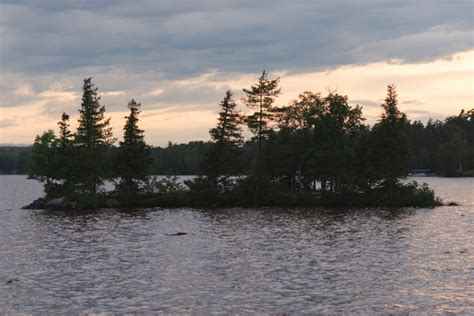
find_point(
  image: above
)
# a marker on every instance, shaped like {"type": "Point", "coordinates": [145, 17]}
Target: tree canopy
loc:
{"type": "Point", "coordinates": [315, 150]}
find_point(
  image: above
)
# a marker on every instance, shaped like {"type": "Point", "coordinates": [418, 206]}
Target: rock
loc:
{"type": "Point", "coordinates": [112, 203]}
{"type": "Point", "coordinates": [36, 204]}
{"type": "Point", "coordinates": [56, 204]}
{"type": "Point", "coordinates": [14, 280]}
{"type": "Point", "coordinates": [178, 234]}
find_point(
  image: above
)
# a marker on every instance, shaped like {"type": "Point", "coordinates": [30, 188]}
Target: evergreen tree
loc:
{"type": "Point", "coordinates": [93, 139]}
{"type": "Point", "coordinates": [134, 157]}
{"type": "Point", "coordinates": [261, 97]}
{"type": "Point", "coordinates": [65, 157]}
{"type": "Point", "coordinates": [65, 135]}
{"type": "Point", "coordinates": [222, 159]}
{"type": "Point", "coordinates": [389, 148]}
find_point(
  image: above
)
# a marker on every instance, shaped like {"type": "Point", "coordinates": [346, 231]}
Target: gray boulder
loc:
{"type": "Point", "coordinates": [36, 204]}
{"type": "Point", "coordinates": [56, 204]}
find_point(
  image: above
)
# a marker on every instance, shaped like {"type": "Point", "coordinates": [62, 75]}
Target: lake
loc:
{"type": "Point", "coordinates": [237, 261]}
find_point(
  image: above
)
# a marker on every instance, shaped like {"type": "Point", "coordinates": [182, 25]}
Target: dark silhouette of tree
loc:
{"type": "Point", "coordinates": [222, 159]}
{"type": "Point", "coordinates": [389, 148]}
{"type": "Point", "coordinates": [65, 158]}
{"type": "Point", "coordinates": [93, 139]}
{"type": "Point", "coordinates": [66, 137]}
{"type": "Point", "coordinates": [134, 157]}
{"type": "Point", "coordinates": [313, 151]}
{"type": "Point", "coordinates": [41, 162]}
{"type": "Point", "coordinates": [261, 97]}
{"type": "Point", "coordinates": [335, 124]}
{"type": "Point", "coordinates": [287, 152]}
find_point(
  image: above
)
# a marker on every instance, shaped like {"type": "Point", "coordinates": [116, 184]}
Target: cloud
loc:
{"type": "Point", "coordinates": [412, 102]}
{"type": "Point", "coordinates": [415, 111]}
{"type": "Point", "coordinates": [180, 39]}
{"type": "Point", "coordinates": [368, 103]}
{"type": "Point", "coordinates": [7, 123]}
{"type": "Point", "coordinates": [180, 56]}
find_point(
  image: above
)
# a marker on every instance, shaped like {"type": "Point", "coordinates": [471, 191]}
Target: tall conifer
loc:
{"type": "Point", "coordinates": [222, 159]}
{"type": "Point", "coordinates": [65, 158]}
{"type": "Point", "coordinates": [261, 97]}
{"type": "Point", "coordinates": [134, 157]}
{"type": "Point", "coordinates": [93, 139]}
{"type": "Point", "coordinates": [389, 148]}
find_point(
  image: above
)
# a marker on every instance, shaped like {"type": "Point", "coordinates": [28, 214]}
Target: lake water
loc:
{"type": "Point", "coordinates": [244, 261]}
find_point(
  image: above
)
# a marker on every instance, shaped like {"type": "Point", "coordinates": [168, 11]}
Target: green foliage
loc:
{"type": "Point", "coordinates": [261, 97]}
{"type": "Point", "coordinates": [179, 159]}
{"type": "Point", "coordinates": [134, 158]}
{"type": "Point", "coordinates": [313, 151]}
{"type": "Point", "coordinates": [451, 155]}
{"type": "Point", "coordinates": [41, 163]}
{"type": "Point", "coordinates": [49, 164]}
{"type": "Point", "coordinates": [165, 192]}
{"type": "Point", "coordinates": [222, 158]}
{"type": "Point", "coordinates": [389, 148]}
{"type": "Point", "coordinates": [13, 159]}
{"type": "Point", "coordinates": [65, 163]}
{"type": "Point", "coordinates": [92, 140]}
{"type": "Point", "coordinates": [409, 194]}
{"type": "Point", "coordinates": [335, 124]}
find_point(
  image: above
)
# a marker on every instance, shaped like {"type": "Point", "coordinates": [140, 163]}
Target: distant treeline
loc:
{"type": "Point", "coordinates": [175, 159]}
{"type": "Point", "coordinates": [445, 148]}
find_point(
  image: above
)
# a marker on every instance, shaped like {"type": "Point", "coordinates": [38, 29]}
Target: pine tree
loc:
{"type": "Point", "coordinates": [93, 139]}
{"type": "Point", "coordinates": [65, 135]}
{"type": "Point", "coordinates": [261, 97]}
{"type": "Point", "coordinates": [65, 157]}
{"type": "Point", "coordinates": [222, 159]}
{"type": "Point", "coordinates": [134, 158]}
{"type": "Point", "coordinates": [389, 148]}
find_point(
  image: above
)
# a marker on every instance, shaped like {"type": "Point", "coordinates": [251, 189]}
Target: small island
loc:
{"type": "Point", "coordinates": [315, 151]}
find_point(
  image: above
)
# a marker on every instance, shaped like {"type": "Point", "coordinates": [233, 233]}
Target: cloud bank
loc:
{"type": "Point", "coordinates": [182, 55]}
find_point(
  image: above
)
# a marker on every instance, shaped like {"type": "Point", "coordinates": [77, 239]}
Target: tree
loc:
{"type": "Point", "coordinates": [222, 159]}
{"type": "Point", "coordinates": [335, 125]}
{"type": "Point", "coordinates": [65, 162]}
{"type": "Point", "coordinates": [451, 155]}
{"type": "Point", "coordinates": [93, 139]}
{"type": "Point", "coordinates": [389, 149]}
{"type": "Point", "coordinates": [51, 161]}
{"type": "Point", "coordinates": [41, 162]}
{"type": "Point", "coordinates": [134, 158]}
{"type": "Point", "coordinates": [65, 135]}
{"type": "Point", "coordinates": [261, 96]}
{"type": "Point", "coordinates": [287, 149]}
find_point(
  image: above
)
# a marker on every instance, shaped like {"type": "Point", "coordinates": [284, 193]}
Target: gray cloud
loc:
{"type": "Point", "coordinates": [189, 37]}
{"type": "Point", "coordinates": [416, 102]}
{"type": "Point", "coordinates": [137, 46]}
{"type": "Point", "coordinates": [368, 103]}
{"type": "Point", "coordinates": [7, 123]}
{"type": "Point", "coordinates": [414, 111]}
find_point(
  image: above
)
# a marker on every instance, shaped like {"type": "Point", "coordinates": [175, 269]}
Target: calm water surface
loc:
{"type": "Point", "coordinates": [296, 261]}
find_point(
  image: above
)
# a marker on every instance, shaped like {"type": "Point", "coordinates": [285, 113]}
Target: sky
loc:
{"type": "Point", "coordinates": [177, 58]}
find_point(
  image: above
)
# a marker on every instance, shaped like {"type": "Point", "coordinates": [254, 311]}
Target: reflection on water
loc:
{"type": "Point", "coordinates": [239, 261]}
